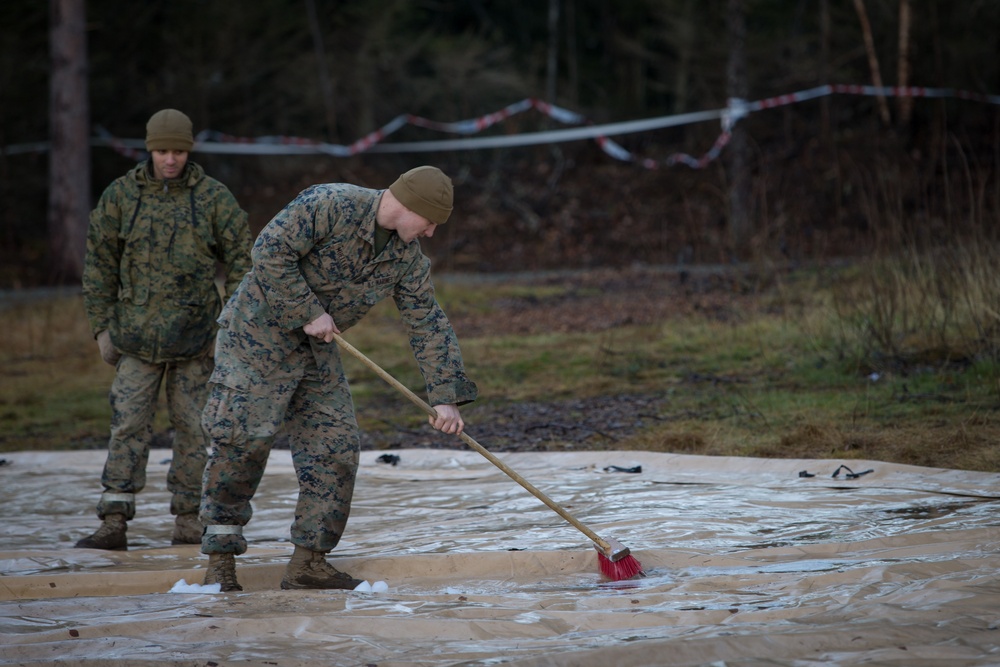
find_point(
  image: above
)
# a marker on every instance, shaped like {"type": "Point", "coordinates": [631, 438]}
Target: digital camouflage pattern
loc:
{"type": "Point", "coordinates": [150, 280]}
{"type": "Point", "coordinates": [316, 414]}
{"type": "Point", "coordinates": [133, 395]}
{"type": "Point", "coordinates": [152, 248]}
{"type": "Point", "coordinates": [317, 255]}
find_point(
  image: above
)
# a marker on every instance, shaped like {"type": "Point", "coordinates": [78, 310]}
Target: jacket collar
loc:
{"type": "Point", "coordinates": [366, 231]}
{"type": "Point", "coordinates": [142, 174]}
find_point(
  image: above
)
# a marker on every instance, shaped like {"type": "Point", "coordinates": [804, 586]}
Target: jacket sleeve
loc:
{"type": "Point", "coordinates": [232, 240]}
{"type": "Point", "coordinates": [102, 260]}
{"type": "Point", "coordinates": [432, 338]}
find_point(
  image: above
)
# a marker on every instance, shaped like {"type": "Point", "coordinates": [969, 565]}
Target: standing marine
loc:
{"type": "Point", "coordinates": [155, 243]}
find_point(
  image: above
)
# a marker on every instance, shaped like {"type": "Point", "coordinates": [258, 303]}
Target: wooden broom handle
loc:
{"type": "Point", "coordinates": [419, 402]}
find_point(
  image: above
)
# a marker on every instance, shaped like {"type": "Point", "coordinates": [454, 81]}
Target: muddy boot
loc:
{"type": "Point", "coordinates": [222, 571]}
{"type": "Point", "coordinates": [309, 569]}
{"type": "Point", "coordinates": [187, 530]}
{"type": "Point", "coordinates": [110, 536]}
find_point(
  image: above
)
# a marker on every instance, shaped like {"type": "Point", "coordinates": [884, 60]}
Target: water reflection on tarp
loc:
{"type": "Point", "coordinates": [747, 563]}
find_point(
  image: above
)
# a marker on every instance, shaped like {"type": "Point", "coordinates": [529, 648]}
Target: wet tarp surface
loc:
{"type": "Point", "coordinates": [747, 561]}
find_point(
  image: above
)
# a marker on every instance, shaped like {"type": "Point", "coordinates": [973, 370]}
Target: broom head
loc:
{"type": "Point", "coordinates": [616, 562]}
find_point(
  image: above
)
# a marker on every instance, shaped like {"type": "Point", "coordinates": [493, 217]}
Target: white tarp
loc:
{"type": "Point", "coordinates": [747, 563]}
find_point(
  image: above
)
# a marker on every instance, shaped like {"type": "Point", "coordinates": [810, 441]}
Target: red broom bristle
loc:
{"type": "Point", "coordinates": [617, 570]}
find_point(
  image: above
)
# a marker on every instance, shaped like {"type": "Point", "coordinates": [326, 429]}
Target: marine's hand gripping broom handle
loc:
{"type": "Point", "coordinates": [612, 552]}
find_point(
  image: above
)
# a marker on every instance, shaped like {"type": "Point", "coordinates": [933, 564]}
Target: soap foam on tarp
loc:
{"type": "Point", "coordinates": [183, 586]}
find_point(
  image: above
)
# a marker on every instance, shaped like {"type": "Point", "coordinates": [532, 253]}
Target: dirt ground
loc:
{"type": "Point", "coordinates": [598, 422]}
{"type": "Point", "coordinates": [590, 301]}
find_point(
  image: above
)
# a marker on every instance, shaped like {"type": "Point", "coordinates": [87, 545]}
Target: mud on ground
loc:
{"type": "Point", "coordinates": [588, 301]}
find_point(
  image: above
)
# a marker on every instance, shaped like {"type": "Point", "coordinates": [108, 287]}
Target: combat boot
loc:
{"type": "Point", "coordinates": [309, 569]}
{"type": "Point", "coordinates": [222, 571]}
{"type": "Point", "coordinates": [187, 530]}
{"type": "Point", "coordinates": [110, 536]}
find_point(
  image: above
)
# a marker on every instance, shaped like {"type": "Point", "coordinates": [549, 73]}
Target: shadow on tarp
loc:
{"type": "Point", "coordinates": [747, 563]}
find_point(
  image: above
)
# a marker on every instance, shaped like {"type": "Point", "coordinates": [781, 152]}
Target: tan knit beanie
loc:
{"type": "Point", "coordinates": [168, 130]}
{"type": "Point", "coordinates": [427, 192]}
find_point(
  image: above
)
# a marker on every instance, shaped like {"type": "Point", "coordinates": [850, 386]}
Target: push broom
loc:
{"type": "Point", "coordinates": [615, 560]}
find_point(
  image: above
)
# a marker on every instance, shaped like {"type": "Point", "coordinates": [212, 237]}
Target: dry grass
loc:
{"type": "Point", "coordinates": [54, 384]}
{"type": "Point", "coordinates": [767, 364]}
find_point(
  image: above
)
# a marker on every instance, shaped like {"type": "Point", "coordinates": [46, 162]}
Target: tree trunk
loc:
{"type": "Point", "coordinates": [572, 61]}
{"type": "Point", "coordinates": [69, 156]}
{"type": "Point", "coordinates": [322, 71]}
{"type": "Point", "coordinates": [905, 101]}
{"type": "Point", "coordinates": [866, 31]}
{"type": "Point", "coordinates": [685, 34]}
{"type": "Point", "coordinates": [552, 62]}
{"type": "Point", "coordinates": [738, 159]}
{"type": "Point", "coordinates": [824, 68]}
{"type": "Point", "coordinates": [826, 131]}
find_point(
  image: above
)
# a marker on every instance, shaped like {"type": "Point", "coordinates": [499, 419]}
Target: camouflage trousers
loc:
{"type": "Point", "coordinates": [133, 397]}
{"type": "Point", "coordinates": [316, 412]}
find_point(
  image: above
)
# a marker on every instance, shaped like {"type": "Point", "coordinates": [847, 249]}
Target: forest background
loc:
{"type": "Point", "coordinates": [888, 346]}
{"type": "Point", "coordinates": [827, 177]}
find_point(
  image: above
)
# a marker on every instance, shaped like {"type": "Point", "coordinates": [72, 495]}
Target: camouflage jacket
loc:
{"type": "Point", "coordinates": [152, 252]}
{"type": "Point", "coordinates": [317, 255]}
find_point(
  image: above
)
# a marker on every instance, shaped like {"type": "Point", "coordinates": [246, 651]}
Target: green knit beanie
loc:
{"type": "Point", "coordinates": [426, 191]}
{"type": "Point", "coordinates": [168, 130]}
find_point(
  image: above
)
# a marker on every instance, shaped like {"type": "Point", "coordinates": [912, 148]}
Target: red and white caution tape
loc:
{"type": "Point", "coordinates": [210, 141]}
